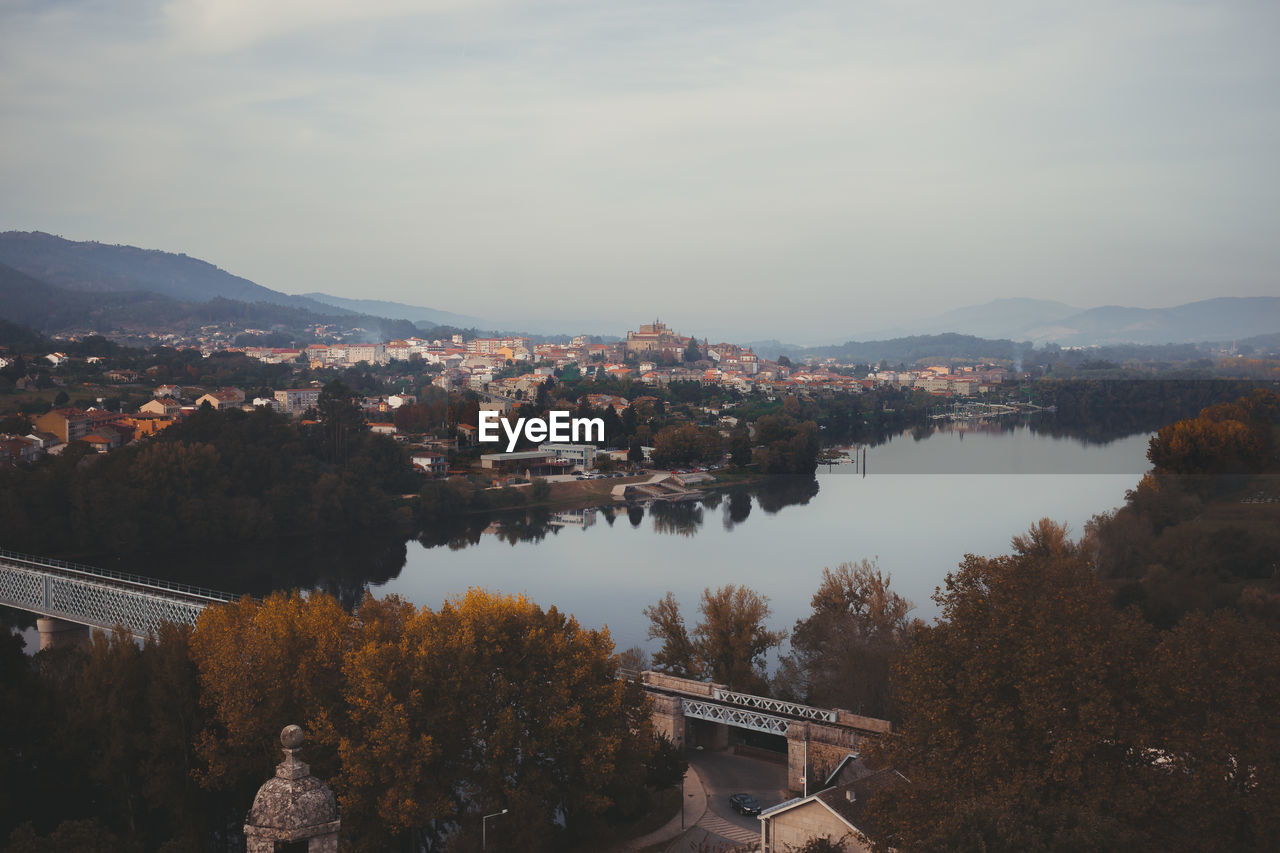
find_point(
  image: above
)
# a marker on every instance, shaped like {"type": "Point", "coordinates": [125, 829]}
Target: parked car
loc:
{"type": "Point", "coordinates": [744, 804]}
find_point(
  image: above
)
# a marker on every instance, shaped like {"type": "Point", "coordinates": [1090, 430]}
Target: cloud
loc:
{"type": "Point", "coordinates": [229, 25]}
{"type": "Point", "coordinates": [869, 156]}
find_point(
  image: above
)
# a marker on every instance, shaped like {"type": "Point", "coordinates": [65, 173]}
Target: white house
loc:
{"type": "Point", "coordinates": [432, 463]}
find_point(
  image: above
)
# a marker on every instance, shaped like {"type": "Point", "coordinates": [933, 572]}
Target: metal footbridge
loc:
{"type": "Point", "coordinates": [757, 713]}
{"type": "Point", "coordinates": [717, 704]}
{"type": "Point", "coordinates": [99, 598]}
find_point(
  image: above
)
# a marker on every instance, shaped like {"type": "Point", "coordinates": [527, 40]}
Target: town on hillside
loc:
{"type": "Point", "coordinates": [492, 372]}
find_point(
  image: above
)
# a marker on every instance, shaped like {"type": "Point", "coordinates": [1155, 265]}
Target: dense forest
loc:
{"type": "Point", "coordinates": [1111, 694]}
{"type": "Point", "coordinates": [1200, 531]}
{"type": "Point", "coordinates": [420, 720]}
{"type": "Point", "coordinates": [1035, 715]}
{"type": "Point", "coordinates": [215, 477]}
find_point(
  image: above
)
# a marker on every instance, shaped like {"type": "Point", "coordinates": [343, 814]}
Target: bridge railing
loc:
{"type": "Point", "coordinates": [776, 706]}
{"type": "Point", "coordinates": [745, 718]}
{"type": "Point", "coordinates": [62, 566]}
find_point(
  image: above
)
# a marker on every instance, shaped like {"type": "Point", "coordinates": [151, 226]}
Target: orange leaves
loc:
{"type": "Point", "coordinates": [1228, 438]}
{"type": "Point", "coordinates": [263, 667]}
{"type": "Point", "coordinates": [419, 717]}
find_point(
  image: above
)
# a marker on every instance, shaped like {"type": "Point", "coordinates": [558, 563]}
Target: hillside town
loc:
{"type": "Point", "coordinates": [654, 355]}
{"type": "Point", "coordinates": [499, 372]}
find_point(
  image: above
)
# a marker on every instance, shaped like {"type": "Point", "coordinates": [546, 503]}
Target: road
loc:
{"type": "Point", "coordinates": [724, 773]}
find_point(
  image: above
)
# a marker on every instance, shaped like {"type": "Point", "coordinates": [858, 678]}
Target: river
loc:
{"type": "Point", "coordinates": [920, 506]}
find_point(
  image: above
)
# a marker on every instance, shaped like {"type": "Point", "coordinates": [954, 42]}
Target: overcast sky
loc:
{"type": "Point", "coordinates": [791, 169]}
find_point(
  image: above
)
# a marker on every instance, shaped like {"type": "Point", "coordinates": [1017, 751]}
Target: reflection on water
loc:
{"type": "Point", "coordinates": [681, 519]}
{"type": "Point", "coordinates": [345, 567]}
{"type": "Point", "coordinates": [921, 506]}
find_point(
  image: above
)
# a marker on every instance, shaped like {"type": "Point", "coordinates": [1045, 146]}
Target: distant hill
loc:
{"type": "Point", "coordinates": [773, 348]}
{"type": "Point", "coordinates": [999, 318]}
{"type": "Point", "coordinates": [1221, 319]}
{"type": "Point", "coordinates": [1261, 345]}
{"type": "Point", "coordinates": [919, 347]}
{"type": "Point", "coordinates": [104, 268]}
{"type": "Point", "coordinates": [1044, 321]}
{"type": "Point", "coordinates": [398, 310]}
{"type": "Point", "coordinates": [27, 300]}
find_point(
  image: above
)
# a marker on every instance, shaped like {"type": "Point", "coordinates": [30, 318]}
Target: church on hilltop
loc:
{"type": "Point", "coordinates": [655, 339]}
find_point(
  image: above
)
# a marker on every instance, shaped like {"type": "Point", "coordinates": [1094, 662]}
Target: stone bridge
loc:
{"type": "Point", "coordinates": [697, 713]}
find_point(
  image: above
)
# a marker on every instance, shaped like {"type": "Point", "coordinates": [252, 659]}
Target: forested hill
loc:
{"type": "Point", "coordinates": [100, 267]}
{"type": "Point", "coordinates": [912, 349]}
{"type": "Point", "coordinates": [33, 302]}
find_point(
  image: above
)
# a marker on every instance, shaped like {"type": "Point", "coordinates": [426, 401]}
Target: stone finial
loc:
{"type": "Point", "coordinates": [291, 737]}
{"type": "Point", "coordinates": [294, 806]}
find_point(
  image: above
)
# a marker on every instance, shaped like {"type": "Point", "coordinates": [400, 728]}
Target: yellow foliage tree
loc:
{"type": "Point", "coordinates": [423, 720]}
{"type": "Point", "coordinates": [264, 666]}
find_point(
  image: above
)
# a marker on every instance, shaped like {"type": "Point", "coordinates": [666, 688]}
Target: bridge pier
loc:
{"type": "Point", "coordinates": [668, 718]}
{"type": "Point", "coordinates": [59, 633]}
{"type": "Point", "coordinates": [818, 748]}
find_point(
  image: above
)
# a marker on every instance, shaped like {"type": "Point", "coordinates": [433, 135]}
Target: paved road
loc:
{"type": "Point", "coordinates": [724, 773]}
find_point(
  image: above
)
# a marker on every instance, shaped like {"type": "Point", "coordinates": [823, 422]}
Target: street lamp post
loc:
{"type": "Point", "coordinates": [683, 776]}
{"type": "Point", "coordinates": [484, 827]}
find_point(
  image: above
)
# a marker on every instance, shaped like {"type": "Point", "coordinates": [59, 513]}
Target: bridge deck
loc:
{"type": "Point", "coordinates": [99, 598]}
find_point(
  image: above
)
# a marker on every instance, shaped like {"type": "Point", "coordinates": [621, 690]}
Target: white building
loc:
{"type": "Point", "coordinates": [295, 401]}
{"type": "Point", "coordinates": [581, 455]}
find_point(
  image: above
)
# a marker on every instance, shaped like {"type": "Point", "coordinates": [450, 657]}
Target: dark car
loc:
{"type": "Point", "coordinates": [744, 804]}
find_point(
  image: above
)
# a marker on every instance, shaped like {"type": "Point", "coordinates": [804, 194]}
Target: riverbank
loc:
{"type": "Point", "coordinates": [585, 494]}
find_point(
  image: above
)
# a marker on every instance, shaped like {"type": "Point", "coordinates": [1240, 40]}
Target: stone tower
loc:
{"type": "Point", "coordinates": [295, 811]}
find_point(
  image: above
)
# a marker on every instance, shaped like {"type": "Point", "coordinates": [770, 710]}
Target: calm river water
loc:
{"type": "Point", "coordinates": [920, 507]}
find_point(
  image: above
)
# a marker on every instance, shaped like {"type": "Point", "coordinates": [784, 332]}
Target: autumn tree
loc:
{"type": "Point", "coordinates": [686, 444]}
{"type": "Point", "coordinates": [728, 644]}
{"type": "Point", "coordinates": [1171, 548]}
{"type": "Point", "coordinates": [841, 653]}
{"type": "Point", "coordinates": [1227, 438]}
{"type": "Point", "coordinates": [1210, 691]}
{"type": "Point", "coordinates": [84, 836]}
{"type": "Point", "coordinates": [263, 666]}
{"type": "Point", "coordinates": [424, 720]}
{"type": "Point", "coordinates": [489, 703]}
{"type": "Point", "coordinates": [732, 638]}
{"type": "Point", "coordinates": [1019, 728]}
{"type": "Point", "coordinates": [678, 655]}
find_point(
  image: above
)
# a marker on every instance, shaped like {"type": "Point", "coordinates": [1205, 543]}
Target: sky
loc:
{"type": "Point", "coordinates": [743, 170]}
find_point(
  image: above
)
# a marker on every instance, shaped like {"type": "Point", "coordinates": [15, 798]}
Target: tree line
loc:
{"type": "Point", "coordinates": [213, 478]}
{"type": "Point", "coordinates": [1035, 715]}
{"type": "Point", "coordinates": [1199, 532]}
{"type": "Point", "coordinates": [420, 720]}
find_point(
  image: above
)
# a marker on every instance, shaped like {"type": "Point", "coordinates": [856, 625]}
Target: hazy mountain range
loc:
{"type": "Point", "coordinates": [398, 310]}
{"type": "Point", "coordinates": [58, 285]}
{"type": "Point", "coordinates": [1044, 321]}
{"type": "Point", "coordinates": [100, 267]}
{"type": "Point", "coordinates": [53, 283]}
